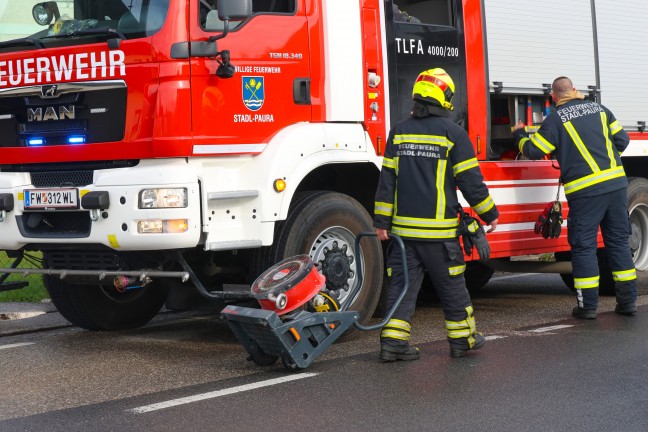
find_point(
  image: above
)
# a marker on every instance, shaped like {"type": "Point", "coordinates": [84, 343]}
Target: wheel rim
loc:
{"type": "Point", "coordinates": [639, 229]}
{"type": "Point", "coordinates": [333, 253]}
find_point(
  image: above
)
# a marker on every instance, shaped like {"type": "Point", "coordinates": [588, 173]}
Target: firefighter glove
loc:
{"type": "Point", "coordinates": [473, 236]}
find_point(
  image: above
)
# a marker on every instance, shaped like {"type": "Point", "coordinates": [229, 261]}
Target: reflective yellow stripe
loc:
{"type": "Point", "coordinates": [389, 271]}
{"type": "Point", "coordinates": [540, 142]}
{"type": "Point", "coordinates": [394, 334]}
{"type": "Point", "coordinates": [581, 147]}
{"type": "Point", "coordinates": [414, 233]}
{"type": "Point", "coordinates": [426, 223]}
{"type": "Point", "coordinates": [521, 144]}
{"type": "Point", "coordinates": [583, 283]}
{"type": "Point", "coordinates": [593, 179]}
{"type": "Point", "coordinates": [396, 159]}
{"type": "Point", "coordinates": [624, 275]}
{"type": "Point", "coordinates": [465, 165]}
{"type": "Point", "coordinates": [457, 270]}
{"type": "Point", "coordinates": [440, 184]}
{"type": "Point", "coordinates": [399, 324]}
{"type": "Point", "coordinates": [396, 329]}
{"type": "Point", "coordinates": [421, 139]}
{"type": "Point", "coordinates": [484, 206]}
{"type": "Point", "coordinates": [615, 127]}
{"type": "Point", "coordinates": [383, 208]}
{"type": "Point", "coordinates": [608, 141]}
{"type": "Point", "coordinates": [473, 227]}
{"type": "Point", "coordinates": [388, 163]}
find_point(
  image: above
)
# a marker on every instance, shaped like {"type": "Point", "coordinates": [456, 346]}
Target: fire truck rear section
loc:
{"type": "Point", "coordinates": [181, 143]}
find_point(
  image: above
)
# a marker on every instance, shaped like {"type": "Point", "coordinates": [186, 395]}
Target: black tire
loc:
{"type": "Point", "coordinates": [477, 275]}
{"type": "Point", "coordinates": [258, 356]}
{"type": "Point", "coordinates": [638, 211]}
{"type": "Point", "coordinates": [606, 282]}
{"type": "Point", "coordinates": [96, 307]}
{"type": "Point", "coordinates": [324, 225]}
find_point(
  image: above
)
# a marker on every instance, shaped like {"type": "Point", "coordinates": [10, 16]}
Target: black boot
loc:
{"type": "Point", "coordinates": [627, 309]}
{"type": "Point", "coordinates": [456, 352]}
{"type": "Point", "coordinates": [393, 353]}
{"type": "Point", "coordinates": [580, 313]}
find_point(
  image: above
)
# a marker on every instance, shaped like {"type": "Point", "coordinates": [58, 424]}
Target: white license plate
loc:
{"type": "Point", "coordinates": [39, 199]}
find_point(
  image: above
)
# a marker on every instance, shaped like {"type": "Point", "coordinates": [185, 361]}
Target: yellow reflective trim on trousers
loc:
{"type": "Point", "coordinates": [465, 165]}
{"type": "Point", "coordinates": [388, 163]}
{"type": "Point", "coordinates": [457, 270]}
{"type": "Point", "coordinates": [608, 141]}
{"type": "Point", "coordinates": [593, 179]}
{"type": "Point", "coordinates": [458, 334]}
{"type": "Point", "coordinates": [389, 271]}
{"type": "Point", "coordinates": [484, 206]}
{"type": "Point", "coordinates": [624, 275]}
{"type": "Point", "coordinates": [440, 185]}
{"type": "Point", "coordinates": [580, 145]}
{"type": "Point", "coordinates": [394, 334]}
{"type": "Point", "coordinates": [615, 127]}
{"type": "Point", "coordinates": [426, 223]}
{"type": "Point", "coordinates": [584, 283]}
{"type": "Point", "coordinates": [399, 324]}
{"type": "Point", "coordinates": [383, 208]}
{"type": "Point", "coordinates": [421, 139]}
{"type": "Point", "coordinates": [436, 234]}
{"type": "Point", "coordinates": [540, 142]}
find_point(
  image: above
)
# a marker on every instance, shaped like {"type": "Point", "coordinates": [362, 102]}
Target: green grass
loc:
{"type": "Point", "coordinates": [35, 291]}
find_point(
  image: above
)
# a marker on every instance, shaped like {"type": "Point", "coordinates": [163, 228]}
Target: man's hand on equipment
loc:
{"type": "Point", "coordinates": [382, 234]}
{"type": "Point", "coordinates": [493, 226]}
{"type": "Point", "coordinates": [520, 125]}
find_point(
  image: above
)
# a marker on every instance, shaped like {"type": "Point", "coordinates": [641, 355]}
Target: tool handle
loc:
{"type": "Point", "coordinates": [390, 313]}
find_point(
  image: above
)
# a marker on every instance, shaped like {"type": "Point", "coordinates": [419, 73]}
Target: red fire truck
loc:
{"type": "Point", "coordinates": [152, 146]}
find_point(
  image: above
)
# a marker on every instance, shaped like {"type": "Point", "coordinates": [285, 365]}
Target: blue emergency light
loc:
{"type": "Point", "coordinates": [76, 139]}
{"type": "Point", "coordinates": [36, 141]}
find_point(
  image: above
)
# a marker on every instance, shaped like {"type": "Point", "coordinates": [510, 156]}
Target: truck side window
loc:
{"type": "Point", "coordinates": [209, 20]}
{"type": "Point", "coordinates": [434, 12]}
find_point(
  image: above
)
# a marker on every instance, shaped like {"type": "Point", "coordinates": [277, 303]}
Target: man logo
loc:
{"type": "Point", "coordinates": [49, 91]}
{"type": "Point", "coordinates": [253, 92]}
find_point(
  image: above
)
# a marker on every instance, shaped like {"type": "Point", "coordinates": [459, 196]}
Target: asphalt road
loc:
{"type": "Point", "coordinates": [539, 371]}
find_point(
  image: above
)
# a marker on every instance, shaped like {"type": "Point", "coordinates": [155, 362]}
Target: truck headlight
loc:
{"type": "Point", "coordinates": [163, 198]}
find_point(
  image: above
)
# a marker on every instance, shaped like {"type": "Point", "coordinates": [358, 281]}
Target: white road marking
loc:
{"type": "Point", "coordinates": [493, 337]}
{"type": "Point", "coordinates": [16, 345]}
{"type": "Point", "coordinates": [550, 328]}
{"type": "Point", "coordinates": [219, 393]}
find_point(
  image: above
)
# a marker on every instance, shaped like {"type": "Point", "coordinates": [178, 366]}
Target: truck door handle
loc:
{"type": "Point", "coordinates": [301, 91]}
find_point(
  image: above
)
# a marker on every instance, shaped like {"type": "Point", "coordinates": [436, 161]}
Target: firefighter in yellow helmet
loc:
{"type": "Point", "coordinates": [427, 157]}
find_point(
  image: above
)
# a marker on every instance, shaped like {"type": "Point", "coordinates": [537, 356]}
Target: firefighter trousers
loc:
{"type": "Point", "coordinates": [586, 214]}
{"type": "Point", "coordinates": [444, 263]}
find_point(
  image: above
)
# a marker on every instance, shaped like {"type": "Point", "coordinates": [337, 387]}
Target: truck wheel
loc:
{"type": "Point", "coordinates": [101, 307]}
{"type": "Point", "coordinates": [638, 210]}
{"type": "Point", "coordinates": [324, 225]}
{"type": "Point", "coordinates": [477, 276]}
{"type": "Point", "coordinates": [606, 283]}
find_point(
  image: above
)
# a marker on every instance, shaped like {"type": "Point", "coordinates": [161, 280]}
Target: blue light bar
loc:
{"type": "Point", "coordinates": [35, 141]}
{"type": "Point", "coordinates": [76, 139]}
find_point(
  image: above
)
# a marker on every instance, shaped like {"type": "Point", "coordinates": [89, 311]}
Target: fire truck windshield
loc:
{"type": "Point", "coordinates": [28, 24]}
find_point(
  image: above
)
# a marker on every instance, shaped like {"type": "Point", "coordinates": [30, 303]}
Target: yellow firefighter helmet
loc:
{"type": "Point", "coordinates": [434, 86]}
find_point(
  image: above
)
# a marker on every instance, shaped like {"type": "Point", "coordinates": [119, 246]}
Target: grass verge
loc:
{"type": "Point", "coordinates": [35, 291]}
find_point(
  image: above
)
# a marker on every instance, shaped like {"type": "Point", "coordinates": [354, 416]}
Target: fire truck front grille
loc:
{"type": "Point", "coordinates": [54, 126]}
{"type": "Point", "coordinates": [86, 260]}
{"type": "Point", "coordinates": [61, 178]}
{"type": "Point", "coordinates": [54, 224]}
{"type": "Point", "coordinates": [79, 114]}
{"type": "Point", "coordinates": [36, 101]}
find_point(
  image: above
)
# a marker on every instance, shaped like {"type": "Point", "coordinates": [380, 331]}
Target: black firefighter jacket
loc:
{"type": "Point", "coordinates": [586, 140]}
{"type": "Point", "coordinates": [425, 160]}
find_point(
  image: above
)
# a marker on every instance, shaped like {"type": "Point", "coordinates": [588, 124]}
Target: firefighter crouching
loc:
{"type": "Point", "coordinates": [427, 157]}
{"type": "Point", "coordinates": [587, 140]}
